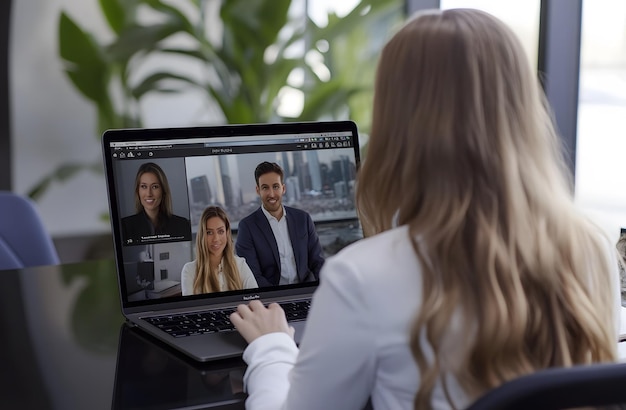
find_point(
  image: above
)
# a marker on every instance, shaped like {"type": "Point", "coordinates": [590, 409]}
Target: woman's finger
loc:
{"type": "Point", "coordinates": [243, 310]}
{"type": "Point", "coordinates": [256, 305]}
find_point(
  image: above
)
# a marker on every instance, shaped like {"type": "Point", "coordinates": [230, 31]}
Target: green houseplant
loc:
{"type": "Point", "coordinates": [246, 53]}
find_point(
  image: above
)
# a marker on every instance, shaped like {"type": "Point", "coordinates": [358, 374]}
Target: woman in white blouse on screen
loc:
{"type": "Point", "coordinates": [216, 267]}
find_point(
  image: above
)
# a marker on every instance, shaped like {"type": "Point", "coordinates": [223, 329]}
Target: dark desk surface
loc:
{"type": "Point", "coordinates": [64, 345]}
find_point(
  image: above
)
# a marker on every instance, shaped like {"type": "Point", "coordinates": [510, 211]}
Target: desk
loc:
{"type": "Point", "coordinates": [64, 345]}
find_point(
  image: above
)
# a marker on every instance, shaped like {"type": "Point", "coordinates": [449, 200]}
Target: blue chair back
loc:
{"type": "Point", "coordinates": [24, 240]}
{"type": "Point", "coordinates": [597, 385]}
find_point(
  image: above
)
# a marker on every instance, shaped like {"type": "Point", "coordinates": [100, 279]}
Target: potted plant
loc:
{"type": "Point", "coordinates": [246, 54]}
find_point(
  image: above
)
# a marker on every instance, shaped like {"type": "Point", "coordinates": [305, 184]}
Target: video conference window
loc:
{"type": "Point", "coordinates": [157, 256]}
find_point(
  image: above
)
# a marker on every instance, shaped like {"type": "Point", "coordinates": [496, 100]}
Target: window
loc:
{"type": "Point", "coordinates": [601, 142]}
{"type": "Point", "coordinates": [521, 16]}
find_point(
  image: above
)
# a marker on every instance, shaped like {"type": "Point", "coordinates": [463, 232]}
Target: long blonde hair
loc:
{"type": "Point", "coordinates": [463, 150]}
{"type": "Point", "coordinates": [207, 279]}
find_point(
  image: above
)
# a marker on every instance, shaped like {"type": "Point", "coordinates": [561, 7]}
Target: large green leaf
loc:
{"type": "Point", "coordinates": [120, 13]}
{"type": "Point", "coordinates": [76, 46]}
{"type": "Point", "coordinates": [254, 24]}
{"type": "Point", "coordinates": [84, 62]}
{"type": "Point", "coordinates": [114, 13]}
{"type": "Point", "coordinates": [250, 26]}
{"type": "Point", "coordinates": [90, 82]}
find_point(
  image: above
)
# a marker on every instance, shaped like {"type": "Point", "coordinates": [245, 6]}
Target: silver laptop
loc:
{"type": "Point", "coordinates": [214, 166]}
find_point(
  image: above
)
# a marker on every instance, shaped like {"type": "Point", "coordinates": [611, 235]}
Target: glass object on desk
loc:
{"type": "Point", "coordinates": [96, 310]}
{"type": "Point", "coordinates": [150, 375]}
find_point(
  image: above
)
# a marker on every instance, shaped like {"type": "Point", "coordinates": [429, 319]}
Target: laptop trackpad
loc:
{"type": "Point", "coordinates": [213, 346]}
{"type": "Point", "coordinates": [221, 345]}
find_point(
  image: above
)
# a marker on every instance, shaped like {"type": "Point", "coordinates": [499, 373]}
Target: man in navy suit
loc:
{"type": "Point", "coordinates": [280, 243]}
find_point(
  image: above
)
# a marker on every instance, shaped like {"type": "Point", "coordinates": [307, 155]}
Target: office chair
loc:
{"type": "Point", "coordinates": [594, 385]}
{"type": "Point", "coordinates": [24, 240]}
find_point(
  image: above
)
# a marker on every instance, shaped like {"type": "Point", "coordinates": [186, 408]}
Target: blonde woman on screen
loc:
{"type": "Point", "coordinates": [480, 269]}
{"type": "Point", "coordinates": [216, 267]}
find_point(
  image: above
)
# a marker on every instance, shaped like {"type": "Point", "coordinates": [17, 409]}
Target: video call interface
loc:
{"type": "Point", "coordinates": [319, 177]}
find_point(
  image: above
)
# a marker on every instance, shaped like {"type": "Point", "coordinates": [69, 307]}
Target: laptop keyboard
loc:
{"type": "Point", "coordinates": [213, 321]}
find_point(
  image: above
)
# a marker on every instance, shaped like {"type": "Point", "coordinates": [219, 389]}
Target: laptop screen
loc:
{"type": "Point", "coordinates": [180, 172]}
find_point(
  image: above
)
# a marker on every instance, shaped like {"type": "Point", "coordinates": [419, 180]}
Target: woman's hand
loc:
{"type": "Point", "coordinates": [254, 320]}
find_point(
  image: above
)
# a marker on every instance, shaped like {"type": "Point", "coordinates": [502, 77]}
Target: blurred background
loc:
{"type": "Point", "coordinates": [77, 67]}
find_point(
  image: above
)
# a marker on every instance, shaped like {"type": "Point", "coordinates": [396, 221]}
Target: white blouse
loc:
{"type": "Point", "coordinates": [356, 341]}
{"type": "Point", "coordinates": [188, 276]}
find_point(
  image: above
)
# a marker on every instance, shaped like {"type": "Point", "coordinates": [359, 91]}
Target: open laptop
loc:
{"type": "Point", "coordinates": [214, 166]}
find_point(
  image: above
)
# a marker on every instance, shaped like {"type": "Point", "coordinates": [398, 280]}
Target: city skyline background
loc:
{"type": "Point", "coordinates": [320, 182]}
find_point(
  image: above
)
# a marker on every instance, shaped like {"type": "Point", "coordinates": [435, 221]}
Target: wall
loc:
{"type": "Point", "coordinates": [51, 123]}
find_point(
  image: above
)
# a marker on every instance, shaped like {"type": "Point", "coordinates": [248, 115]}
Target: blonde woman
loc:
{"type": "Point", "coordinates": [216, 267]}
{"type": "Point", "coordinates": [480, 269]}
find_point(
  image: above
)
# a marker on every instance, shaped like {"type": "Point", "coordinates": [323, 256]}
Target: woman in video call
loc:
{"type": "Point", "coordinates": [153, 204]}
{"type": "Point", "coordinates": [216, 267]}
{"type": "Point", "coordinates": [478, 267]}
